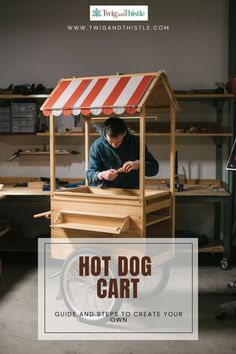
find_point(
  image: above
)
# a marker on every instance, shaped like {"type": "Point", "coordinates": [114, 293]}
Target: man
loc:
{"type": "Point", "coordinates": [117, 148]}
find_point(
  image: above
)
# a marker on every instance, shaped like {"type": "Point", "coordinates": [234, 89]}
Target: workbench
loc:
{"type": "Point", "coordinates": [17, 205]}
{"type": "Point", "coordinates": [9, 189]}
{"type": "Point", "coordinates": [192, 193]}
{"type": "Point", "coordinates": [222, 201]}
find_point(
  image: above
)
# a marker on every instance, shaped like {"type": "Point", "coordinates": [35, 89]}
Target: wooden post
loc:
{"type": "Point", "coordinates": [142, 170]}
{"type": "Point", "coordinates": [87, 133]}
{"type": "Point", "coordinates": [142, 155]}
{"type": "Point", "coordinates": [172, 163]}
{"type": "Point", "coordinates": [52, 155]}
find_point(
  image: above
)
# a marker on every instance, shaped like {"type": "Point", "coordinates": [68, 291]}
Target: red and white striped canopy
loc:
{"type": "Point", "coordinates": [99, 95]}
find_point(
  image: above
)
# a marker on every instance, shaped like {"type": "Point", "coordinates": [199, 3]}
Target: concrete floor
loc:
{"type": "Point", "coordinates": [18, 319]}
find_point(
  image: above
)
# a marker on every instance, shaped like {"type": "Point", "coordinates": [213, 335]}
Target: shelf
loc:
{"type": "Point", "coordinates": [177, 95]}
{"type": "Point", "coordinates": [189, 134]}
{"type": "Point", "coordinates": [67, 134]}
{"type": "Point", "coordinates": [206, 96]}
{"type": "Point", "coordinates": [203, 134]}
{"type": "Point", "coordinates": [47, 153]}
{"type": "Point", "coordinates": [211, 247]}
{"type": "Point", "coordinates": [85, 221]}
{"type": "Point", "coordinates": [6, 134]}
{"type": "Point", "coordinates": [147, 134]}
{"type": "Point", "coordinates": [18, 96]}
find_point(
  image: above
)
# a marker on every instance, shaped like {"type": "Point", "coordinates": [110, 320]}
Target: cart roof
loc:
{"type": "Point", "coordinates": [110, 95]}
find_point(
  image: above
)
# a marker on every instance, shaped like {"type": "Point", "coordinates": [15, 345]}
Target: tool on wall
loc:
{"type": "Point", "coordinates": [40, 152]}
{"type": "Point", "coordinates": [15, 155]}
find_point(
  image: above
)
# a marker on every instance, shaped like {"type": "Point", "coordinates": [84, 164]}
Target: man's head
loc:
{"type": "Point", "coordinates": [115, 131]}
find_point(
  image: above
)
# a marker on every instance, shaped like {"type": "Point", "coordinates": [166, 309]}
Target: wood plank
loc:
{"type": "Point", "coordinates": [158, 206]}
{"type": "Point", "coordinates": [114, 191]}
{"type": "Point", "coordinates": [93, 214]}
{"type": "Point", "coordinates": [9, 181]}
{"type": "Point", "coordinates": [211, 249]}
{"type": "Point", "coordinates": [13, 180]}
{"type": "Point", "coordinates": [204, 95]}
{"type": "Point", "coordinates": [36, 184]}
{"type": "Point", "coordinates": [68, 134]}
{"type": "Point", "coordinates": [148, 134]}
{"type": "Point", "coordinates": [110, 76]}
{"type": "Point", "coordinates": [25, 153]}
{"type": "Point", "coordinates": [203, 134]}
{"type": "Point", "coordinates": [46, 214]}
{"type": "Point", "coordinates": [170, 92]}
{"type": "Point", "coordinates": [97, 220]}
{"type": "Point", "coordinates": [190, 190]}
{"type": "Point", "coordinates": [202, 190]}
{"type": "Point", "coordinates": [156, 194]}
{"type": "Point", "coordinates": [87, 145]}
{"type": "Point", "coordinates": [11, 96]}
{"type": "Point", "coordinates": [98, 201]}
{"type": "Point", "coordinates": [154, 219]}
{"type": "Point", "coordinates": [144, 99]}
{"type": "Point", "coordinates": [129, 119]}
{"type": "Point", "coordinates": [89, 227]}
{"type": "Point", "coordinates": [126, 224]}
{"type": "Point", "coordinates": [142, 155]}
{"type": "Point", "coordinates": [99, 196]}
{"type": "Point", "coordinates": [158, 182]}
{"type": "Point", "coordinates": [52, 155]}
{"type": "Point", "coordinates": [142, 170]}
{"type": "Point", "coordinates": [23, 191]}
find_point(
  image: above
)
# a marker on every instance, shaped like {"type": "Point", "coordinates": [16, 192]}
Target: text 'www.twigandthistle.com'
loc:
{"type": "Point", "coordinates": [118, 28]}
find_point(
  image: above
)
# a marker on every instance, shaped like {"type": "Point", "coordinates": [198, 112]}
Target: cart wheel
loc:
{"type": "Point", "coordinates": [79, 292]}
{"type": "Point", "coordinates": [224, 263]}
{"type": "Point", "coordinates": [159, 280]}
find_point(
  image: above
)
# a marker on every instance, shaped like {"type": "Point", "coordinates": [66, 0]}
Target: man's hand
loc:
{"type": "Point", "coordinates": [108, 175]}
{"type": "Point", "coordinates": [131, 165]}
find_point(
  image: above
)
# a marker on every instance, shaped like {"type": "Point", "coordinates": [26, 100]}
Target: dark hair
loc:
{"type": "Point", "coordinates": [114, 127]}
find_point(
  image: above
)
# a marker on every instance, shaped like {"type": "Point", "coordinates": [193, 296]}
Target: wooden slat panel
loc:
{"type": "Point", "coordinates": [154, 219]}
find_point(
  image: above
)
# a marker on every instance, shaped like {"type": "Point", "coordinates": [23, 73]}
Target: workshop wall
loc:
{"type": "Point", "coordinates": [37, 47]}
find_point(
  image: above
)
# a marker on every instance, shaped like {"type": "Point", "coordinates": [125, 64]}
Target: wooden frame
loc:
{"type": "Point", "coordinates": [126, 213]}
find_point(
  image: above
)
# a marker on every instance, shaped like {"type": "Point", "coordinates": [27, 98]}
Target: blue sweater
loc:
{"type": "Point", "coordinates": [103, 157]}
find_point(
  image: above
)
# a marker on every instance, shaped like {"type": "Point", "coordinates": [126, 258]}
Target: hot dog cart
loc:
{"type": "Point", "coordinates": [96, 212]}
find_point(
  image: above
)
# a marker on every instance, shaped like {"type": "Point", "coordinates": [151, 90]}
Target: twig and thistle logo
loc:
{"type": "Point", "coordinates": [96, 12]}
{"type": "Point", "coordinates": [119, 13]}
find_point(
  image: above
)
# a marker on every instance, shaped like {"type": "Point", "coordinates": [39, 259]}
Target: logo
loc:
{"type": "Point", "coordinates": [118, 13]}
{"type": "Point", "coordinates": [96, 13]}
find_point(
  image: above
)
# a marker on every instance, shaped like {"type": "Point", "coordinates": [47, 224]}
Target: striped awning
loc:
{"type": "Point", "coordinates": [98, 95]}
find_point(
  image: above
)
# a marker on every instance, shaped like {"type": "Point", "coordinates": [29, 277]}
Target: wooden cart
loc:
{"type": "Point", "coordinates": [95, 212]}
